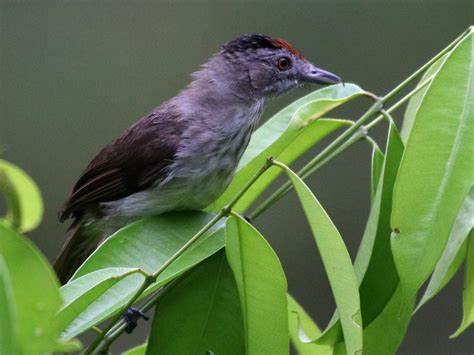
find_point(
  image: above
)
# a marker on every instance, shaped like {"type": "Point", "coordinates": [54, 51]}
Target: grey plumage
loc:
{"type": "Point", "coordinates": [183, 154]}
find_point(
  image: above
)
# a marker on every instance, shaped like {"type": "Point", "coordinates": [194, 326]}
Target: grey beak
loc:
{"type": "Point", "coordinates": [313, 74]}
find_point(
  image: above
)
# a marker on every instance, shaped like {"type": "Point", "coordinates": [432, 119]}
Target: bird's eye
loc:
{"type": "Point", "coordinates": [284, 63]}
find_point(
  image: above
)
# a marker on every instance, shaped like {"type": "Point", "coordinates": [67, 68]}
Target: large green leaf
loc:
{"type": "Point", "coordinates": [436, 170]}
{"type": "Point", "coordinates": [146, 244]}
{"type": "Point", "coordinates": [88, 293]}
{"type": "Point", "coordinates": [8, 332]}
{"type": "Point", "coordinates": [468, 291]}
{"type": "Point", "coordinates": [337, 263]}
{"type": "Point", "coordinates": [449, 261]}
{"type": "Point", "coordinates": [285, 137]}
{"type": "Point", "coordinates": [35, 292]}
{"type": "Point", "coordinates": [201, 314]}
{"type": "Point", "coordinates": [416, 100]}
{"type": "Point", "coordinates": [300, 321]}
{"type": "Point", "coordinates": [262, 288]}
{"type": "Point", "coordinates": [25, 206]}
{"type": "Point", "coordinates": [434, 177]}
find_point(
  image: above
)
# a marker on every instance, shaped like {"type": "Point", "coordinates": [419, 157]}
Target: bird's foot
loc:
{"type": "Point", "coordinates": [131, 317]}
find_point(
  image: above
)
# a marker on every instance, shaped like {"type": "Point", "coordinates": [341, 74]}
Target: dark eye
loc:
{"type": "Point", "coordinates": [284, 63]}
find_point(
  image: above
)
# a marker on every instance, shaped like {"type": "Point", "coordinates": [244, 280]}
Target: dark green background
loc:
{"type": "Point", "coordinates": [75, 74]}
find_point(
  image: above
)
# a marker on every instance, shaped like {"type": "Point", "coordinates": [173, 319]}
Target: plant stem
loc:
{"type": "Point", "coordinates": [401, 101]}
{"type": "Point", "coordinates": [105, 338]}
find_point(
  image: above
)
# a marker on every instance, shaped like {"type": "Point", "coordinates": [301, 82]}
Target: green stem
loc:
{"type": "Point", "coordinates": [401, 101]}
{"type": "Point", "coordinates": [99, 344]}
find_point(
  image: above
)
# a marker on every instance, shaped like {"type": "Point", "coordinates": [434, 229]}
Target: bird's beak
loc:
{"type": "Point", "coordinates": [312, 74]}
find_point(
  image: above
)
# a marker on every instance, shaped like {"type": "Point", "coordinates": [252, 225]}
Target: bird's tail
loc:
{"type": "Point", "coordinates": [81, 242]}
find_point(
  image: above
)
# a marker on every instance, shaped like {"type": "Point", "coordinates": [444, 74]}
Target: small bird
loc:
{"type": "Point", "coordinates": [183, 154]}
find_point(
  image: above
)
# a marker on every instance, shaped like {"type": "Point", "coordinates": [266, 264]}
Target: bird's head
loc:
{"type": "Point", "coordinates": [267, 66]}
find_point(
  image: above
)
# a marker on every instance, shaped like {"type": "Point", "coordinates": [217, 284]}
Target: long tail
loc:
{"type": "Point", "coordinates": [81, 242]}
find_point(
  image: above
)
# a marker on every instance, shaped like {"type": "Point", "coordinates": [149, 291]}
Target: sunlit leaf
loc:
{"type": "Point", "coordinates": [337, 263]}
{"type": "Point", "coordinates": [468, 291]}
{"type": "Point", "coordinates": [200, 314]}
{"type": "Point", "coordinates": [146, 244]}
{"type": "Point", "coordinates": [436, 170]}
{"type": "Point", "coordinates": [416, 100]}
{"type": "Point", "coordinates": [25, 206]}
{"type": "Point", "coordinates": [262, 288]}
{"type": "Point", "coordinates": [286, 136]}
{"type": "Point", "coordinates": [446, 265]}
{"type": "Point", "coordinates": [35, 292]}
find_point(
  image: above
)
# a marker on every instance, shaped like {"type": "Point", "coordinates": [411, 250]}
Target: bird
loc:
{"type": "Point", "coordinates": [183, 154]}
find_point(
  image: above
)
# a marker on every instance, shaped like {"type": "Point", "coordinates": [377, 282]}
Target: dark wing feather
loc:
{"type": "Point", "coordinates": [133, 162]}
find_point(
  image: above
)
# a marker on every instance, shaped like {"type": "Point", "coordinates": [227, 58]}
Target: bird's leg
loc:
{"type": "Point", "coordinates": [131, 317]}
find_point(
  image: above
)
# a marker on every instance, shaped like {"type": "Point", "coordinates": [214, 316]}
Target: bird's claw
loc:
{"type": "Point", "coordinates": [131, 317]}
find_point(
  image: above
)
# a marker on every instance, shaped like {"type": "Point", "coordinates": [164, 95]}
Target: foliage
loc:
{"type": "Point", "coordinates": [217, 285]}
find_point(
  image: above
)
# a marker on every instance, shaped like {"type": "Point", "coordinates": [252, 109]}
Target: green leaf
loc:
{"type": "Point", "coordinates": [25, 206]}
{"type": "Point", "coordinates": [376, 168]}
{"type": "Point", "coordinates": [434, 177]}
{"type": "Point", "coordinates": [8, 332]}
{"type": "Point", "coordinates": [436, 170]}
{"type": "Point", "coordinates": [384, 334]}
{"type": "Point", "coordinates": [300, 321]}
{"type": "Point", "coordinates": [374, 263]}
{"type": "Point", "coordinates": [449, 262]}
{"type": "Point", "coordinates": [200, 314]}
{"type": "Point", "coordinates": [88, 293]}
{"type": "Point", "coordinates": [146, 244]}
{"type": "Point", "coordinates": [468, 291]}
{"type": "Point", "coordinates": [336, 261]}
{"type": "Point", "coordinates": [286, 136]}
{"type": "Point", "coordinates": [262, 288]}
{"type": "Point", "coordinates": [416, 100]}
{"type": "Point", "coordinates": [138, 350]}
{"type": "Point", "coordinates": [35, 292]}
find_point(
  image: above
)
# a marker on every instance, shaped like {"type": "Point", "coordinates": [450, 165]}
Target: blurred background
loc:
{"type": "Point", "coordinates": [75, 74]}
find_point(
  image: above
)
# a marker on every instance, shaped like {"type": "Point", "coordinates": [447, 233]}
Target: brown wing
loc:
{"type": "Point", "coordinates": [132, 163]}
